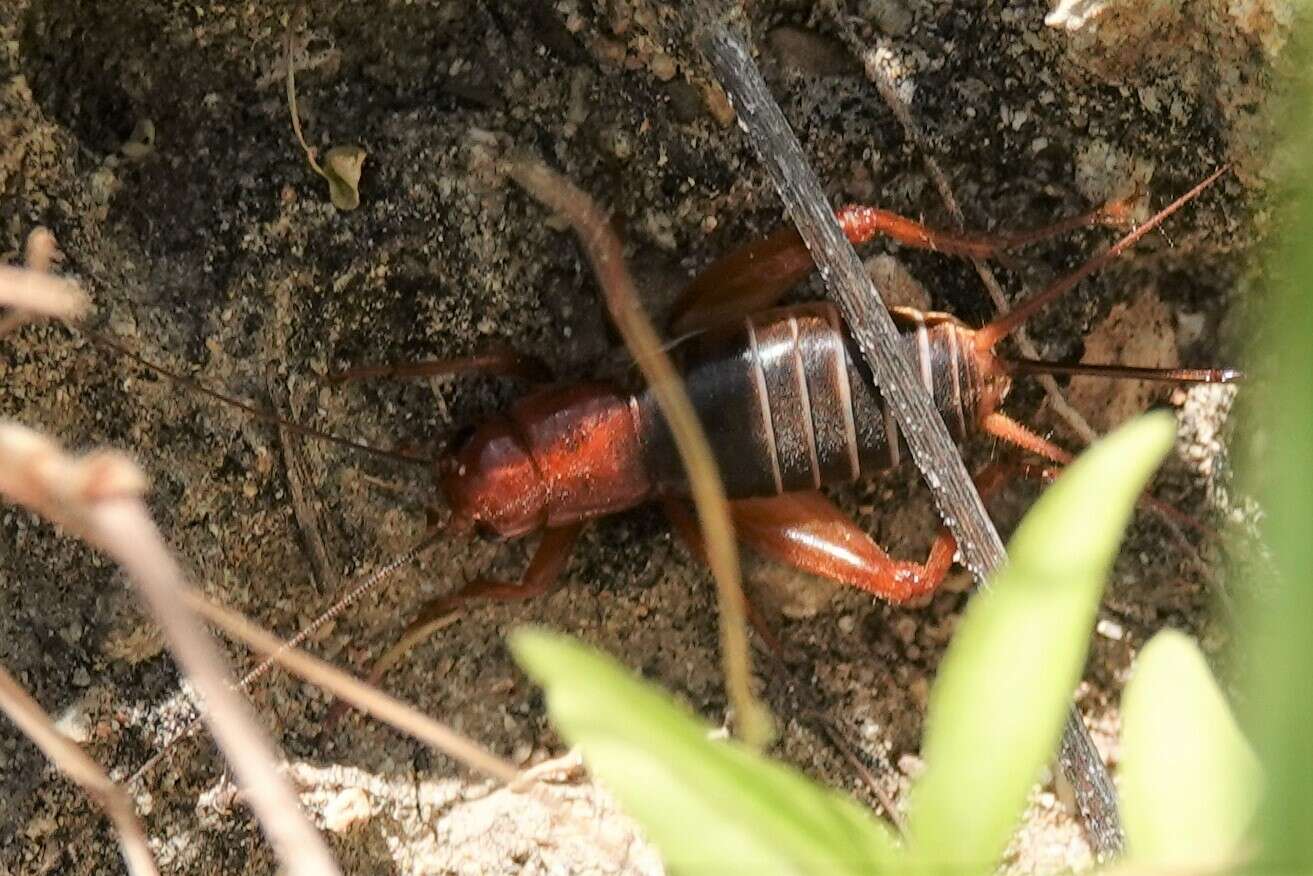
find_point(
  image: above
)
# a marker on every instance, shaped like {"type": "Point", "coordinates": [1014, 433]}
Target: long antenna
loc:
{"type": "Point", "coordinates": [1000, 328]}
{"type": "Point", "coordinates": [257, 412]}
{"type": "Point", "coordinates": [1131, 372]}
{"type": "Point", "coordinates": [353, 595]}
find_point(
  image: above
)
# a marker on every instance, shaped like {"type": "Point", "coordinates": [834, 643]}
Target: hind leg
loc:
{"type": "Point", "coordinates": [755, 275]}
{"type": "Point", "coordinates": [807, 531]}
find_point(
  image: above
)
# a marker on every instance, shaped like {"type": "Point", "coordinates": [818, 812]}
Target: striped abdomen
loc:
{"type": "Point", "coordinates": [787, 407]}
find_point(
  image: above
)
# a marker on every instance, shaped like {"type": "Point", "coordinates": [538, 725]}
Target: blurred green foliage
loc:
{"type": "Point", "coordinates": [1189, 781]}
{"type": "Point", "coordinates": [1277, 640]}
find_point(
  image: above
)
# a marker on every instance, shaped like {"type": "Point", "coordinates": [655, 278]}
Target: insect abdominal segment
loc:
{"type": "Point", "coordinates": [788, 406]}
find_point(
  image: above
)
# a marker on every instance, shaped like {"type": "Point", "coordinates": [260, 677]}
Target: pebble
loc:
{"type": "Point", "coordinates": [347, 810]}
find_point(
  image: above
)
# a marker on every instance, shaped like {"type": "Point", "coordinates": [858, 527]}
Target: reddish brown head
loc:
{"type": "Point", "coordinates": [491, 484]}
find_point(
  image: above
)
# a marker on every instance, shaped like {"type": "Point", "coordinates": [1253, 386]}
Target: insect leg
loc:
{"type": "Point", "coordinates": [548, 562]}
{"type": "Point", "coordinates": [1004, 471]}
{"type": "Point", "coordinates": [689, 532]}
{"type": "Point", "coordinates": [1007, 429]}
{"type": "Point", "coordinates": [807, 531]}
{"type": "Point", "coordinates": [756, 275]}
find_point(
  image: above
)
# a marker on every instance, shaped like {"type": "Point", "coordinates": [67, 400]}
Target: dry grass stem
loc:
{"type": "Point", "coordinates": [353, 594]}
{"type": "Point", "coordinates": [75, 763]}
{"type": "Point", "coordinates": [289, 47]}
{"type": "Point", "coordinates": [605, 252]}
{"type": "Point", "coordinates": [30, 293]}
{"type": "Point", "coordinates": [369, 699]}
{"type": "Point", "coordinates": [350, 689]}
{"type": "Point", "coordinates": [307, 518]}
{"type": "Point", "coordinates": [98, 497]}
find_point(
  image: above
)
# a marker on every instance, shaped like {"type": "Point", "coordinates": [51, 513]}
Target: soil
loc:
{"type": "Point", "coordinates": [205, 240]}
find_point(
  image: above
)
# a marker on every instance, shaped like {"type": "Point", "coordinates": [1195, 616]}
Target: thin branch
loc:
{"type": "Point", "coordinates": [30, 293]}
{"type": "Point", "coordinates": [307, 517]}
{"type": "Point", "coordinates": [355, 592]}
{"type": "Point", "coordinates": [369, 699]}
{"type": "Point", "coordinates": [75, 763]}
{"type": "Point", "coordinates": [289, 48]}
{"type": "Point", "coordinates": [98, 497]}
{"type": "Point", "coordinates": [348, 688]}
{"type": "Point", "coordinates": [936, 456]}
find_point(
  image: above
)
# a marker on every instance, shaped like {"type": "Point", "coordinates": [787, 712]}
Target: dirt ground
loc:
{"type": "Point", "coordinates": [212, 247]}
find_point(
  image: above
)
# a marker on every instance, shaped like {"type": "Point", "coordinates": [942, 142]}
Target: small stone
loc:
{"type": "Point", "coordinates": [810, 53]}
{"type": "Point", "coordinates": [891, 17]}
{"type": "Point", "coordinates": [910, 765]}
{"type": "Point", "coordinates": [895, 283]}
{"type": "Point", "coordinates": [347, 810]}
{"type": "Point", "coordinates": [717, 103]}
{"type": "Point", "coordinates": [1189, 327]}
{"type": "Point", "coordinates": [75, 724]}
{"type": "Point", "coordinates": [919, 689]}
{"type": "Point", "coordinates": [663, 67]}
{"type": "Point", "coordinates": [1110, 629]}
{"type": "Point", "coordinates": [1138, 331]}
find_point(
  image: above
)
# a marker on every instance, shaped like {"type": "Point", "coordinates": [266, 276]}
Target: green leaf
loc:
{"type": "Point", "coordinates": [1189, 780]}
{"type": "Point", "coordinates": [1280, 708]}
{"type": "Point", "coordinates": [709, 806]}
{"type": "Point", "coordinates": [1005, 684]}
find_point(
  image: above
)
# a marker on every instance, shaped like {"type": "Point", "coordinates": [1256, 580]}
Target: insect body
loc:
{"type": "Point", "coordinates": [784, 403]}
{"type": "Point", "coordinates": [787, 409]}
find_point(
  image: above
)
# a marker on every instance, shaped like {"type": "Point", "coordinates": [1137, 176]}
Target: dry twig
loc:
{"type": "Point", "coordinates": [30, 293]}
{"type": "Point", "coordinates": [75, 763]}
{"type": "Point", "coordinates": [604, 250]}
{"type": "Point", "coordinates": [350, 689]}
{"type": "Point", "coordinates": [98, 497]}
